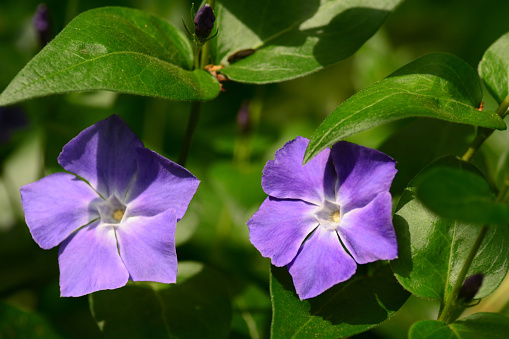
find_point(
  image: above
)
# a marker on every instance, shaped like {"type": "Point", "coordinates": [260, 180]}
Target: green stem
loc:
{"type": "Point", "coordinates": [197, 56]}
{"type": "Point", "coordinates": [188, 137]}
{"type": "Point", "coordinates": [484, 133]}
{"type": "Point", "coordinates": [453, 295]}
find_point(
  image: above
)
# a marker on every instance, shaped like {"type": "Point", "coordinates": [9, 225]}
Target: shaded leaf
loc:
{"type": "Point", "coordinates": [354, 306]}
{"type": "Point", "coordinates": [117, 49]}
{"type": "Point", "coordinates": [475, 326]}
{"type": "Point", "coordinates": [437, 85]}
{"type": "Point", "coordinates": [461, 195]}
{"type": "Point", "coordinates": [433, 249]}
{"type": "Point", "coordinates": [292, 38]}
{"type": "Point", "coordinates": [15, 323]}
{"type": "Point", "coordinates": [494, 68]}
{"type": "Point", "coordinates": [197, 306]}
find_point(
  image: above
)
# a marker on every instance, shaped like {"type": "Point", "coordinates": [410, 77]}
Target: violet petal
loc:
{"type": "Point", "coordinates": [89, 261]}
{"type": "Point", "coordinates": [286, 178]}
{"type": "Point", "coordinates": [362, 173]}
{"type": "Point", "coordinates": [160, 184]}
{"type": "Point", "coordinates": [147, 247]}
{"type": "Point", "coordinates": [279, 227]}
{"type": "Point", "coordinates": [56, 206]}
{"type": "Point", "coordinates": [320, 264]}
{"type": "Point", "coordinates": [368, 233]}
{"type": "Point", "coordinates": [104, 155]}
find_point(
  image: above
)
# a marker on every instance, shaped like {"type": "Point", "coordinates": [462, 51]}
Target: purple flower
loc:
{"type": "Point", "coordinates": [339, 200]}
{"type": "Point", "coordinates": [120, 223]}
{"type": "Point", "coordinates": [204, 22]}
{"type": "Point", "coordinates": [42, 24]}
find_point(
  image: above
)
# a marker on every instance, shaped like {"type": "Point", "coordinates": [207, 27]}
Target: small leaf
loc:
{"type": "Point", "coordinates": [197, 306]}
{"type": "Point", "coordinates": [432, 249]}
{"type": "Point", "coordinates": [461, 195]}
{"type": "Point", "coordinates": [292, 38]}
{"type": "Point", "coordinates": [437, 85]}
{"type": "Point", "coordinates": [494, 68]}
{"type": "Point", "coordinates": [475, 326]}
{"type": "Point", "coordinates": [116, 49]}
{"type": "Point", "coordinates": [354, 306]}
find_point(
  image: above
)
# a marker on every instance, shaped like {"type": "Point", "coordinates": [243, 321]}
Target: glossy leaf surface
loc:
{"type": "Point", "coordinates": [433, 249]}
{"type": "Point", "coordinates": [475, 326]}
{"type": "Point", "coordinates": [348, 308]}
{"type": "Point", "coordinates": [437, 85]}
{"type": "Point", "coordinates": [117, 49]}
{"type": "Point", "coordinates": [292, 38]}
{"type": "Point", "coordinates": [197, 306]}
{"type": "Point", "coordinates": [494, 68]}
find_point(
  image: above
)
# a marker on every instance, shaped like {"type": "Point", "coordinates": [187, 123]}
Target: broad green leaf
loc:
{"type": "Point", "coordinates": [361, 303]}
{"type": "Point", "coordinates": [461, 195]}
{"type": "Point", "coordinates": [494, 68]}
{"type": "Point", "coordinates": [475, 326]}
{"type": "Point", "coordinates": [15, 323]}
{"type": "Point", "coordinates": [117, 49]}
{"type": "Point", "coordinates": [437, 85]}
{"type": "Point", "coordinates": [197, 306]}
{"type": "Point", "coordinates": [292, 38]}
{"type": "Point", "coordinates": [432, 249]}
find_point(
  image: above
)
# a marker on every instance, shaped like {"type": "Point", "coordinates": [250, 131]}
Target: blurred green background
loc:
{"type": "Point", "coordinates": [226, 156]}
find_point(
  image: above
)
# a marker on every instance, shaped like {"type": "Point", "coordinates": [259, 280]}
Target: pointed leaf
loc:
{"type": "Point", "coordinates": [475, 326]}
{"type": "Point", "coordinates": [354, 306]}
{"type": "Point", "coordinates": [460, 195]}
{"type": "Point", "coordinates": [197, 306]}
{"type": "Point", "coordinates": [494, 68]}
{"type": "Point", "coordinates": [292, 38]}
{"type": "Point", "coordinates": [432, 249]}
{"type": "Point", "coordinates": [117, 49]}
{"type": "Point", "coordinates": [437, 85]}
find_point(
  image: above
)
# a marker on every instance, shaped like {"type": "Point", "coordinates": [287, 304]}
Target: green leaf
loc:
{"type": "Point", "coordinates": [475, 326]}
{"type": "Point", "coordinates": [432, 249]}
{"type": "Point", "coordinates": [292, 38]}
{"type": "Point", "coordinates": [15, 323]}
{"type": "Point", "coordinates": [437, 85]}
{"type": "Point", "coordinates": [494, 68]}
{"type": "Point", "coordinates": [354, 306]}
{"type": "Point", "coordinates": [461, 195]}
{"type": "Point", "coordinates": [116, 49]}
{"type": "Point", "coordinates": [197, 306]}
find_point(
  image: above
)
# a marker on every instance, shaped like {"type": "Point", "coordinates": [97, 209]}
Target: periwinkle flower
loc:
{"type": "Point", "coordinates": [120, 223]}
{"type": "Point", "coordinates": [204, 22]}
{"type": "Point", "coordinates": [42, 24]}
{"type": "Point", "coordinates": [339, 200]}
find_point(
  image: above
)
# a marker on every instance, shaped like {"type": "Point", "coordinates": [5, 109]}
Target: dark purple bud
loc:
{"type": "Point", "coordinates": [243, 118]}
{"type": "Point", "coordinates": [204, 22]}
{"type": "Point", "coordinates": [470, 287]}
{"type": "Point", "coordinates": [12, 118]}
{"type": "Point", "coordinates": [42, 24]}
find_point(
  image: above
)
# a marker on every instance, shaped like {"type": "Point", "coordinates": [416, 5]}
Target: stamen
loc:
{"type": "Point", "coordinates": [336, 216]}
{"type": "Point", "coordinates": [119, 214]}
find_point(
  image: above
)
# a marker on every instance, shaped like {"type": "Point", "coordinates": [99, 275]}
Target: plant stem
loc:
{"type": "Point", "coordinates": [188, 137]}
{"type": "Point", "coordinates": [484, 133]}
{"type": "Point", "coordinates": [453, 295]}
{"type": "Point", "coordinates": [197, 57]}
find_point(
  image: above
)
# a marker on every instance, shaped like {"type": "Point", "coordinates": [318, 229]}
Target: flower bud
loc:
{"type": "Point", "coordinates": [204, 22]}
{"type": "Point", "coordinates": [470, 287]}
{"type": "Point", "coordinates": [42, 24]}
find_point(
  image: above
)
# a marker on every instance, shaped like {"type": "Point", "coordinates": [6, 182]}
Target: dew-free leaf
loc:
{"type": "Point", "coordinates": [197, 306]}
{"type": "Point", "coordinates": [116, 49]}
{"type": "Point", "coordinates": [460, 195]}
{"type": "Point", "coordinates": [437, 85]}
{"type": "Point", "coordinates": [354, 306]}
{"type": "Point", "coordinates": [292, 38]}
{"type": "Point", "coordinates": [479, 325]}
{"type": "Point", "coordinates": [432, 249]}
{"type": "Point", "coordinates": [494, 68]}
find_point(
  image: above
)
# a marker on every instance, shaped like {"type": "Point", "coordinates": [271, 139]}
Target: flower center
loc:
{"type": "Point", "coordinates": [328, 215]}
{"type": "Point", "coordinates": [111, 210]}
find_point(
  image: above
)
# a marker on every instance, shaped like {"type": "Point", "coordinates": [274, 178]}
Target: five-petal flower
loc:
{"type": "Point", "coordinates": [120, 223]}
{"type": "Point", "coordinates": [323, 218]}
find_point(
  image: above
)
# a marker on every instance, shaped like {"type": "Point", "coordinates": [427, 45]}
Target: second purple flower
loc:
{"type": "Point", "coordinates": [322, 219]}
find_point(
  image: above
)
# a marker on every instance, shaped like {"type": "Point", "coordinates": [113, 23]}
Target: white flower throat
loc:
{"type": "Point", "coordinates": [328, 215]}
{"type": "Point", "coordinates": [111, 210]}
